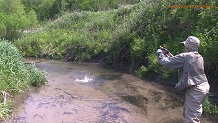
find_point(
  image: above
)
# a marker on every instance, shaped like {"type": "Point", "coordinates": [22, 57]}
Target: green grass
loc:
{"type": "Point", "coordinates": [36, 76]}
{"type": "Point", "coordinates": [6, 109]}
{"type": "Point", "coordinates": [79, 35]}
{"type": "Point", "coordinates": [15, 76]}
{"type": "Point", "coordinates": [209, 107]}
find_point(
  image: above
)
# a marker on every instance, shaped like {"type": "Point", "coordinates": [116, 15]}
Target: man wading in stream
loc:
{"type": "Point", "coordinates": [192, 78]}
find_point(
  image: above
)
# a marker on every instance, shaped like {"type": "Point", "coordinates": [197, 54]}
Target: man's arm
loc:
{"type": "Point", "coordinates": [170, 62]}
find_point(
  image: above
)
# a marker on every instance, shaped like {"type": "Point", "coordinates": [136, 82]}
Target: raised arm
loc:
{"type": "Point", "coordinates": [170, 62]}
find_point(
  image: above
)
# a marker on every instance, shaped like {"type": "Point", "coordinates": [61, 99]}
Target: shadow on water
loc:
{"type": "Point", "coordinates": [139, 101]}
{"type": "Point", "coordinates": [109, 76]}
{"type": "Point", "coordinates": [169, 102]}
{"type": "Point", "coordinates": [111, 113]}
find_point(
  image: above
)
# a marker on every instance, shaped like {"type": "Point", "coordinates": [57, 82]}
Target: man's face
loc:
{"type": "Point", "coordinates": [186, 49]}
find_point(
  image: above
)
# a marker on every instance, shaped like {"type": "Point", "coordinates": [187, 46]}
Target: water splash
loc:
{"type": "Point", "coordinates": [86, 79]}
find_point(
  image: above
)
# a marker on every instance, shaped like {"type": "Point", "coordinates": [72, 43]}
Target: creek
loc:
{"type": "Point", "coordinates": [94, 93]}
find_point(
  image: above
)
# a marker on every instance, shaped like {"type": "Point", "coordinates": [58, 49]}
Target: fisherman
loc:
{"type": "Point", "coordinates": [192, 77]}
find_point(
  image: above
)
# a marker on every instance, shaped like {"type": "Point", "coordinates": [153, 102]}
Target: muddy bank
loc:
{"type": "Point", "coordinates": [92, 93]}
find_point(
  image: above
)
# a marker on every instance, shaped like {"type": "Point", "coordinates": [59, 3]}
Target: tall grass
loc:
{"type": "Point", "coordinates": [12, 70]}
{"type": "Point", "coordinates": [36, 76]}
{"type": "Point", "coordinates": [15, 76]}
{"type": "Point", "coordinates": [79, 36]}
{"type": "Point", "coordinates": [209, 107]}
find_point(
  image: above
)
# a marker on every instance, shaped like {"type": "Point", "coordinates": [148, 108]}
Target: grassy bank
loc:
{"type": "Point", "coordinates": [79, 36]}
{"type": "Point", "coordinates": [15, 76]}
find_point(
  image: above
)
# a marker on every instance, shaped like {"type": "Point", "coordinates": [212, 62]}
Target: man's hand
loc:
{"type": "Point", "coordinates": [160, 54]}
{"type": "Point", "coordinates": [159, 51]}
{"type": "Point", "coordinates": [166, 51]}
{"type": "Point", "coordinates": [178, 85]}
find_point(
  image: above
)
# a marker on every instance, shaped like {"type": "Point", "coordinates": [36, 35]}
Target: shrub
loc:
{"type": "Point", "coordinates": [209, 107]}
{"type": "Point", "coordinates": [15, 77]}
{"type": "Point", "coordinates": [12, 70]}
{"type": "Point", "coordinates": [36, 77]}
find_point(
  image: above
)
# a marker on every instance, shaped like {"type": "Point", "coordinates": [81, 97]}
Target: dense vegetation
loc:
{"type": "Point", "coordinates": [13, 19]}
{"type": "Point", "coordinates": [127, 35]}
{"type": "Point", "coordinates": [50, 9]}
{"type": "Point", "coordinates": [120, 32]}
{"type": "Point", "coordinates": [15, 76]}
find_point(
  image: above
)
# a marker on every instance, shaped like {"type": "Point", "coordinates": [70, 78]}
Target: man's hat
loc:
{"type": "Point", "coordinates": [192, 43]}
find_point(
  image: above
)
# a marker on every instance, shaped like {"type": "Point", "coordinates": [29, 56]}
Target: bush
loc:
{"type": "Point", "coordinates": [209, 107]}
{"type": "Point", "coordinates": [15, 77]}
{"type": "Point", "coordinates": [5, 109]}
{"type": "Point", "coordinates": [36, 77]}
{"type": "Point", "coordinates": [13, 19]}
{"type": "Point", "coordinates": [12, 70]}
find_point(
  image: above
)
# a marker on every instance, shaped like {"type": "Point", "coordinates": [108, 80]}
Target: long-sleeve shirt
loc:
{"type": "Point", "coordinates": [191, 65]}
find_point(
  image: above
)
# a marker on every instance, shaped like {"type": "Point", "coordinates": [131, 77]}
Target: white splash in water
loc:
{"type": "Point", "coordinates": [85, 79]}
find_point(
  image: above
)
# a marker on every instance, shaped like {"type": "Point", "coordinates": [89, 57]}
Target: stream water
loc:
{"type": "Point", "coordinates": [93, 93]}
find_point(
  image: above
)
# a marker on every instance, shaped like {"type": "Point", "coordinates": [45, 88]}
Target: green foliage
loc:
{"type": "Point", "coordinates": [76, 36]}
{"type": "Point", "coordinates": [161, 25]}
{"type": "Point", "coordinates": [154, 68]}
{"type": "Point", "coordinates": [15, 77]}
{"type": "Point", "coordinates": [32, 18]}
{"type": "Point", "coordinates": [142, 71]}
{"type": "Point", "coordinates": [50, 9]}
{"type": "Point", "coordinates": [13, 19]}
{"type": "Point", "coordinates": [12, 72]}
{"type": "Point", "coordinates": [5, 109]}
{"type": "Point", "coordinates": [209, 107]}
{"type": "Point", "coordinates": [128, 35]}
{"type": "Point", "coordinates": [36, 77]}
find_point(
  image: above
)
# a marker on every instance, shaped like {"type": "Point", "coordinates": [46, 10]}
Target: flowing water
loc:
{"type": "Point", "coordinates": [92, 93]}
